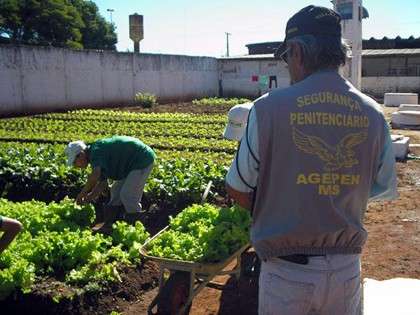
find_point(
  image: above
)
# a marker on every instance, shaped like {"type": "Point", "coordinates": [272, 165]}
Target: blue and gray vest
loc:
{"type": "Point", "coordinates": [320, 142]}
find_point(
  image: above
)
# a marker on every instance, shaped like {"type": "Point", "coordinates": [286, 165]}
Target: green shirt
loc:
{"type": "Point", "coordinates": [119, 155]}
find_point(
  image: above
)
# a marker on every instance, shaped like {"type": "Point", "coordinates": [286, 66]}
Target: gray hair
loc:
{"type": "Point", "coordinates": [321, 52]}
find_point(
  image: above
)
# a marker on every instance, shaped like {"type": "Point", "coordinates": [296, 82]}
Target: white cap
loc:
{"type": "Point", "coordinates": [237, 120]}
{"type": "Point", "coordinates": [73, 149]}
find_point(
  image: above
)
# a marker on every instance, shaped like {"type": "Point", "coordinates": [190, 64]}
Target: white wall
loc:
{"type": "Point", "coordinates": [236, 75]}
{"type": "Point", "coordinates": [36, 79]}
{"type": "Point", "coordinates": [378, 86]}
{"type": "Point", "coordinates": [236, 78]}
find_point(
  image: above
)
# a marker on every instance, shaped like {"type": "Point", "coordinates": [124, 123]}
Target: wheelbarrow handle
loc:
{"type": "Point", "coordinates": [206, 191]}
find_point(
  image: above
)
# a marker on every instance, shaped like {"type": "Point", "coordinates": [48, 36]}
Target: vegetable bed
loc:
{"type": "Point", "coordinates": [58, 253]}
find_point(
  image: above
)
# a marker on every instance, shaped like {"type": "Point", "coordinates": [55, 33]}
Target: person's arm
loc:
{"type": "Point", "coordinates": [384, 186]}
{"type": "Point", "coordinates": [97, 191]}
{"type": "Point", "coordinates": [242, 176]}
{"type": "Point", "coordinates": [11, 228]}
{"type": "Point", "coordinates": [241, 198]}
{"type": "Point", "coordinates": [91, 183]}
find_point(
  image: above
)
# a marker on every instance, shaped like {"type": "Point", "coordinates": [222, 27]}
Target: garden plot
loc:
{"type": "Point", "coordinates": [34, 167]}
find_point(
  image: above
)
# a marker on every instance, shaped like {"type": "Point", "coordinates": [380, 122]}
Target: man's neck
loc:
{"type": "Point", "coordinates": [310, 73]}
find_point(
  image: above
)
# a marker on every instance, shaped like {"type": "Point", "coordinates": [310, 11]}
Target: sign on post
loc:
{"type": "Point", "coordinates": [136, 30]}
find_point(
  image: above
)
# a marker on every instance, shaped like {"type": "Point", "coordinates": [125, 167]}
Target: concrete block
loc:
{"type": "Point", "coordinates": [408, 119]}
{"type": "Point", "coordinates": [414, 148]}
{"type": "Point", "coordinates": [405, 107]}
{"type": "Point", "coordinates": [390, 297]}
{"type": "Point", "coordinates": [400, 145]}
{"type": "Point", "coordinates": [396, 99]}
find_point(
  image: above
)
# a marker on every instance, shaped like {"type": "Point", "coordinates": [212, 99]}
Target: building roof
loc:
{"type": "Point", "coordinates": [365, 52]}
{"type": "Point", "coordinates": [389, 52]}
{"type": "Point", "coordinates": [380, 44]}
{"type": "Point", "coordinates": [391, 43]}
{"type": "Point", "coordinates": [249, 57]}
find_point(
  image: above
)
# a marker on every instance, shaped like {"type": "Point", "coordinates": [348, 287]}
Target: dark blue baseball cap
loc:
{"type": "Point", "coordinates": [312, 20]}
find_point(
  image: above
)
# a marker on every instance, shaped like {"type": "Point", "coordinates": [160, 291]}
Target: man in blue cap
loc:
{"type": "Point", "coordinates": [316, 153]}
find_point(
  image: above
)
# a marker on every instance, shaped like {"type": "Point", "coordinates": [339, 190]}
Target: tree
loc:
{"type": "Point", "coordinates": [42, 22]}
{"type": "Point", "coordinates": [97, 33]}
{"type": "Point", "coordinates": [61, 23]}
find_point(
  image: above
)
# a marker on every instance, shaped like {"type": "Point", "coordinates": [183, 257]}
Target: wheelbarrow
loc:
{"type": "Point", "coordinates": [186, 278]}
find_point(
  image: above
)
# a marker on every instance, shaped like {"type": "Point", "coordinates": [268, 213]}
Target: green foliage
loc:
{"type": "Point", "coordinates": [181, 182]}
{"type": "Point", "coordinates": [18, 274]}
{"type": "Point", "coordinates": [97, 33]}
{"type": "Point", "coordinates": [161, 131]}
{"type": "Point", "coordinates": [203, 233]}
{"type": "Point", "coordinates": [216, 101]}
{"type": "Point", "coordinates": [31, 171]}
{"type": "Point", "coordinates": [48, 22]}
{"type": "Point", "coordinates": [145, 100]}
{"type": "Point", "coordinates": [130, 237]}
{"type": "Point", "coordinates": [97, 270]}
{"type": "Point", "coordinates": [36, 216]}
{"type": "Point", "coordinates": [120, 116]}
{"type": "Point", "coordinates": [61, 23]}
{"type": "Point", "coordinates": [57, 241]}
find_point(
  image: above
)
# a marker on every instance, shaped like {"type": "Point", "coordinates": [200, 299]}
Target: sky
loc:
{"type": "Point", "coordinates": [198, 27]}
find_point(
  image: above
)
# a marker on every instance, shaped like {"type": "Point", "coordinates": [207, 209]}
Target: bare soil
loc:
{"type": "Point", "coordinates": [117, 297]}
{"type": "Point", "coordinates": [186, 107]}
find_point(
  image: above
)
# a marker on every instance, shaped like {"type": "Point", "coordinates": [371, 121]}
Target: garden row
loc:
{"type": "Point", "coordinates": [216, 101]}
{"type": "Point", "coordinates": [120, 116]}
{"type": "Point", "coordinates": [32, 171]}
{"type": "Point", "coordinates": [57, 242]}
{"type": "Point", "coordinates": [175, 134]}
{"type": "Point", "coordinates": [139, 129]}
{"type": "Point", "coordinates": [147, 100]}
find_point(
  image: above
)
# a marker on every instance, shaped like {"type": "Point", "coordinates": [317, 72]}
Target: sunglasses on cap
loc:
{"type": "Point", "coordinates": [284, 55]}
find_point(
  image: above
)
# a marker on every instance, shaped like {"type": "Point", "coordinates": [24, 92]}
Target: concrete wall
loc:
{"type": "Point", "coordinates": [378, 86]}
{"type": "Point", "coordinates": [391, 65]}
{"type": "Point", "coordinates": [34, 79]}
{"type": "Point", "coordinates": [236, 75]}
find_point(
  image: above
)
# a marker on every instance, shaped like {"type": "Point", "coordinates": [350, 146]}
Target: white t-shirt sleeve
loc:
{"type": "Point", "coordinates": [247, 162]}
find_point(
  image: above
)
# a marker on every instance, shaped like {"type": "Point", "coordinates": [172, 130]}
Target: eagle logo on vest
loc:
{"type": "Point", "coordinates": [342, 155]}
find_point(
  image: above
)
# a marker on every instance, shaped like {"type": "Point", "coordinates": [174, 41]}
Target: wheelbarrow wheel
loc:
{"type": "Point", "coordinates": [175, 294]}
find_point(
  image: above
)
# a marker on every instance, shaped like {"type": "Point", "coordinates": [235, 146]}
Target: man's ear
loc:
{"type": "Point", "coordinates": [297, 53]}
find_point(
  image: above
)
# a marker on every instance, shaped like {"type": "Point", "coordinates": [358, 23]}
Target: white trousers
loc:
{"type": "Point", "coordinates": [327, 285]}
{"type": "Point", "coordinates": [129, 191]}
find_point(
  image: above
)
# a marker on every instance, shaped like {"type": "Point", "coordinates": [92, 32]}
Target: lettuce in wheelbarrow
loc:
{"type": "Point", "coordinates": [203, 233]}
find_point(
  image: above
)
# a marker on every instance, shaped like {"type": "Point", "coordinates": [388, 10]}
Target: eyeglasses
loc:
{"type": "Point", "coordinates": [78, 156]}
{"type": "Point", "coordinates": [284, 55]}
